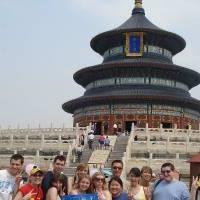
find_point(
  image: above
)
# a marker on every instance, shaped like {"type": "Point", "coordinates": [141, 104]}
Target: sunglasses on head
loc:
{"type": "Point", "coordinates": [165, 171]}
{"type": "Point", "coordinates": [119, 168]}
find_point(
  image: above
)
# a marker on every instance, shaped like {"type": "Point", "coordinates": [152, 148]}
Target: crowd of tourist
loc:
{"type": "Point", "coordinates": [53, 185]}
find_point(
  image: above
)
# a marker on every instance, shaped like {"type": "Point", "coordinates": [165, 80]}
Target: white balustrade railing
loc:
{"type": "Point", "coordinates": [41, 130]}
{"type": "Point", "coordinates": [161, 141]}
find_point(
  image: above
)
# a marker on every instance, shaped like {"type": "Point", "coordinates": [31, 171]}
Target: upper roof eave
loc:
{"type": "Point", "coordinates": [102, 38]}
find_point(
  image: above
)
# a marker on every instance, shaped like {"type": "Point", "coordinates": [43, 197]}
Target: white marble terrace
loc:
{"type": "Point", "coordinates": [38, 145]}
{"type": "Point", "coordinates": [157, 145]}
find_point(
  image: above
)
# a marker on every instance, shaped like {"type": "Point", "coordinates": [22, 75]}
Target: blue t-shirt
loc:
{"type": "Point", "coordinates": [174, 190]}
{"type": "Point", "coordinates": [122, 196]}
{"type": "Point", "coordinates": [46, 183]}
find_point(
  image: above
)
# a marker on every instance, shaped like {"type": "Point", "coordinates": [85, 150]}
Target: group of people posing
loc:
{"type": "Point", "coordinates": [53, 185]}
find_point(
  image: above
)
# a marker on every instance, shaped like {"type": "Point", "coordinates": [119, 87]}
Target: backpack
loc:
{"type": "Point", "coordinates": [156, 184]}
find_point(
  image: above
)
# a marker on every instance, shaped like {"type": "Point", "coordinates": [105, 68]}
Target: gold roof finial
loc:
{"type": "Point", "coordinates": [138, 3]}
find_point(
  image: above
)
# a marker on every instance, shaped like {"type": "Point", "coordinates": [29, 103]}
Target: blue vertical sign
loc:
{"type": "Point", "coordinates": [134, 44]}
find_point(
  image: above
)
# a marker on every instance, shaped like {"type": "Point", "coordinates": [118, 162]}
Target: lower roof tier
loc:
{"type": "Point", "coordinates": [185, 102]}
{"type": "Point", "coordinates": [137, 68]}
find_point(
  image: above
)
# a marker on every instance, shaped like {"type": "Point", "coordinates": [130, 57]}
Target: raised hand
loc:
{"type": "Point", "coordinates": [29, 195]}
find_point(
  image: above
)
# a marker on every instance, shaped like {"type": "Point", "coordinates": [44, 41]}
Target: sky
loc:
{"type": "Point", "coordinates": [44, 42]}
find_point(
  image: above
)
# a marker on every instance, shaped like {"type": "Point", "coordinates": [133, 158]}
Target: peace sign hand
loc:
{"type": "Point", "coordinates": [29, 195]}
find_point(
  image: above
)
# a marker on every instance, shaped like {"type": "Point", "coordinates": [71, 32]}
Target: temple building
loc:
{"type": "Point", "coordinates": [137, 80]}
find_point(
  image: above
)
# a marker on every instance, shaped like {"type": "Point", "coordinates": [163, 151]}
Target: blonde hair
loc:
{"type": "Point", "coordinates": [144, 182]}
{"type": "Point", "coordinates": [93, 179]}
{"type": "Point", "coordinates": [81, 166]}
{"type": "Point", "coordinates": [146, 169]}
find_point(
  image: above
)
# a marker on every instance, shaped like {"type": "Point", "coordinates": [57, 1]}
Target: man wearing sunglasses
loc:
{"type": "Point", "coordinates": [117, 168]}
{"type": "Point", "coordinates": [169, 187]}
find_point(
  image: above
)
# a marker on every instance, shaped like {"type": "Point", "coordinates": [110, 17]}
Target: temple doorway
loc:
{"type": "Point", "coordinates": [166, 125]}
{"type": "Point", "coordinates": [97, 128]}
{"type": "Point", "coordinates": [105, 128]}
{"type": "Point", "coordinates": [128, 125]}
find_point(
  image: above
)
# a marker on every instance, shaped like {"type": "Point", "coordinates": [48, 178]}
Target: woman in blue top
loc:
{"type": "Point", "coordinates": [115, 186]}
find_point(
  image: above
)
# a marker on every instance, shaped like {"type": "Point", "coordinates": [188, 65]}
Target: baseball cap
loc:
{"type": "Point", "coordinates": [35, 170]}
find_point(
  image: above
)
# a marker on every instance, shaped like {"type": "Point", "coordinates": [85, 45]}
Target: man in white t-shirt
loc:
{"type": "Point", "coordinates": [10, 178]}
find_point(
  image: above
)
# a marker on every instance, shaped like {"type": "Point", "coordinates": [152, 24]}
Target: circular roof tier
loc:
{"type": "Point", "coordinates": [138, 23]}
{"type": "Point", "coordinates": [137, 90]}
{"type": "Point", "coordinates": [137, 67]}
{"type": "Point", "coordinates": [81, 102]}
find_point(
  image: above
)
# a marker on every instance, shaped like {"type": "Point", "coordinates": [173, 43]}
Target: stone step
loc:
{"type": "Point", "coordinates": [120, 145]}
{"type": "Point", "coordinates": [70, 171]}
{"type": "Point", "coordinates": [117, 156]}
{"type": "Point", "coordinates": [118, 151]}
{"type": "Point", "coordinates": [99, 156]}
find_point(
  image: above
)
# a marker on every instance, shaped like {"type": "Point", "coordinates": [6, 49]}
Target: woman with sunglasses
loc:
{"type": "Point", "coordinates": [99, 186]}
{"type": "Point", "coordinates": [83, 186]}
{"type": "Point", "coordinates": [115, 186]}
{"type": "Point", "coordinates": [32, 190]}
{"type": "Point", "coordinates": [58, 187]}
{"type": "Point", "coordinates": [135, 190]}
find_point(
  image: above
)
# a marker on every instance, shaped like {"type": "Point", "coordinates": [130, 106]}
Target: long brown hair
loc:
{"type": "Point", "coordinates": [62, 179]}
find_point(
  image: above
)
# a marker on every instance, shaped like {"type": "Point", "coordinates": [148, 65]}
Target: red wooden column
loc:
{"type": "Point", "coordinates": [194, 167]}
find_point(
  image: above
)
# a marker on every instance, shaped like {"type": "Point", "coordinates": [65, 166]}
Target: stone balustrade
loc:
{"type": "Point", "coordinates": [14, 143]}
{"type": "Point", "coordinates": [39, 138]}
{"type": "Point", "coordinates": [166, 146]}
{"type": "Point", "coordinates": [168, 140]}
{"type": "Point", "coordinates": [39, 130]}
{"type": "Point", "coordinates": [39, 145]}
{"type": "Point", "coordinates": [155, 146]}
